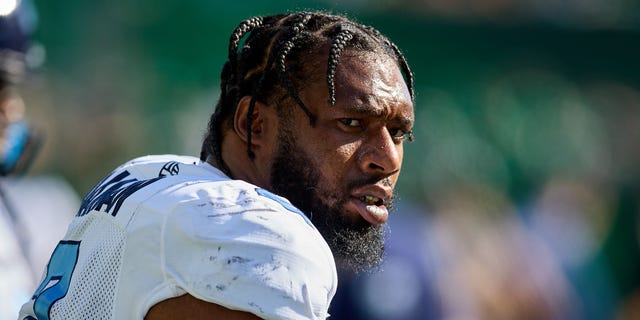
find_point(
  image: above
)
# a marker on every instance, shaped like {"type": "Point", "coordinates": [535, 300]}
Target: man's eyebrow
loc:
{"type": "Point", "coordinates": [377, 112]}
{"type": "Point", "coordinates": [365, 109]}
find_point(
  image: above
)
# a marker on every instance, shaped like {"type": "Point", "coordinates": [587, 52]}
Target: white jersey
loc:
{"type": "Point", "coordinates": [159, 227]}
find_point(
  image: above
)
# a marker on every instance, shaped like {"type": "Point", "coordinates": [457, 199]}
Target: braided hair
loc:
{"type": "Point", "coordinates": [278, 57]}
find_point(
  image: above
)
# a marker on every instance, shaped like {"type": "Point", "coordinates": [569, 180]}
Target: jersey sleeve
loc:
{"type": "Point", "coordinates": [251, 254]}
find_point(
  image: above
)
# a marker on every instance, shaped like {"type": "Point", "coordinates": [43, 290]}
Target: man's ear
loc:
{"type": "Point", "coordinates": [259, 119]}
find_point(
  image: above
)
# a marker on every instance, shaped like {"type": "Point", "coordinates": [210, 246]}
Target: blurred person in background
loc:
{"type": "Point", "coordinates": [28, 227]}
{"type": "Point", "coordinates": [18, 140]}
{"type": "Point", "coordinates": [470, 257]}
{"type": "Point", "coordinates": [17, 145]}
{"type": "Point", "coordinates": [404, 286]}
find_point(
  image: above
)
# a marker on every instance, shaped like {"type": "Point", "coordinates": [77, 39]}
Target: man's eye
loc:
{"type": "Point", "coordinates": [350, 122]}
{"type": "Point", "coordinates": [401, 135]}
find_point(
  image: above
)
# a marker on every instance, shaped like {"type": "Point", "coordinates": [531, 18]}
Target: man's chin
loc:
{"type": "Point", "coordinates": [357, 249]}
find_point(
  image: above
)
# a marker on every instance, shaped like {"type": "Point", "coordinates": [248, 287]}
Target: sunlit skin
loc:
{"type": "Point", "coordinates": [187, 307]}
{"type": "Point", "coordinates": [356, 146]}
{"type": "Point", "coordinates": [359, 139]}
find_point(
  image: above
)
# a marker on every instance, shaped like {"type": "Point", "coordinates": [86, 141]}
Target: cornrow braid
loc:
{"type": "Point", "coordinates": [239, 32]}
{"type": "Point", "coordinates": [282, 66]}
{"type": "Point", "coordinates": [234, 41]}
{"type": "Point", "coordinates": [338, 44]}
{"type": "Point", "coordinates": [405, 67]}
{"type": "Point", "coordinates": [279, 56]}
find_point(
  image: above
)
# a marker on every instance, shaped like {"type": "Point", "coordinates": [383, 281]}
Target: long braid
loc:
{"type": "Point", "coordinates": [234, 41]}
{"type": "Point", "coordinates": [405, 68]}
{"type": "Point", "coordinates": [240, 31]}
{"type": "Point", "coordinates": [229, 75]}
{"type": "Point", "coordinates": [285, 47]}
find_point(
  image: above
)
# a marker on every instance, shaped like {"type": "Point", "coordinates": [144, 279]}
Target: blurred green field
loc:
{"type": "Point", "coordinates": [519, 113]}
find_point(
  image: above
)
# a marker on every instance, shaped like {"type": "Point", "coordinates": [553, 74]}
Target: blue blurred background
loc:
{"type": "Point", "coordinates": [519, 198]}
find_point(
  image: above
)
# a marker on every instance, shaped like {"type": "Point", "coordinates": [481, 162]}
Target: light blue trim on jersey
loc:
{"type": "Point", "coordinates": [56, 282]}
{"type": "Point", "coordinates": [286, 204]}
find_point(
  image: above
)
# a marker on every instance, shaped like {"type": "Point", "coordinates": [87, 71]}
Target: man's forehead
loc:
{"type": "Point", "coordinates": [366, 79]}
{"type": "Point", "coordinates": [366, 84]}
{"type": "Point", "coordinates": [362, 68]}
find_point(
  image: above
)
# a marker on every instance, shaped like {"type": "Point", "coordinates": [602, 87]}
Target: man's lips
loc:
{"type": "Point", "coordinates": [370, 203]}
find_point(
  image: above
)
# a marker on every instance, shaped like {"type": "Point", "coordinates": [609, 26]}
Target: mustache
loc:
{"type": "Point", "coordinates": [386, 181]}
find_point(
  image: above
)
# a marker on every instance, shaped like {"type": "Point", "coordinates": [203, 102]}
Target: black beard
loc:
{"type": "Point", "coordinates": [356, 246]}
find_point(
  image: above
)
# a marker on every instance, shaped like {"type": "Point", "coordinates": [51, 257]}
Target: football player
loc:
{"type": "Point", "coordinates": [296, 174]}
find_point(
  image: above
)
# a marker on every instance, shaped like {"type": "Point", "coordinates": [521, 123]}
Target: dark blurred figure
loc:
{"type": "Point", "coordinates": [18, 143]}
{"type": "Point", "coordinates": [17, 140]}
{"type": "Point", "coordinates": [405, 286]}
{"type": "Point", "coordinates": [468, 257]}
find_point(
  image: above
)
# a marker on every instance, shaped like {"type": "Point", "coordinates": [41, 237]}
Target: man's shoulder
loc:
{"type": "Point", "coordinates": [159, 165]}
{"type": "Point", "coordinates": [186, 183]}
{"type": "Point", "coordinates": [227, 197]}
{"type": "Point", "coordinates": [237, 245]}
{"type": "Point", "coordinates": [165, 173]}
{"type": "Point", "coordinates": [210, 208]}
{"type": "Point", "coordinates": [140, 179]}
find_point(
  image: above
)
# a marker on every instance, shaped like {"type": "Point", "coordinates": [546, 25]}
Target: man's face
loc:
{"type": "Point", "coordinates": [341, 172]}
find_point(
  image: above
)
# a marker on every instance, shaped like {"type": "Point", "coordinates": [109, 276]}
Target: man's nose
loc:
{"type": "Point", "coordinates": [380, 154]}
